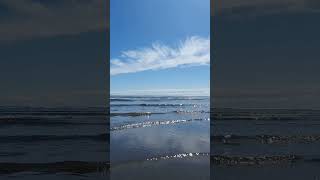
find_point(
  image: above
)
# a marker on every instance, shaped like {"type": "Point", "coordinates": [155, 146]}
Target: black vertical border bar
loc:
{"type": "Point", "coordinates": [108, 83]}
{"type": "Point", "coordinates": [211, 83]}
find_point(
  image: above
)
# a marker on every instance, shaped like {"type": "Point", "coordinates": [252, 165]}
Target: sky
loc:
{"type": "Point", "coordinates": [266, 54]}
{"type": "Point", "coordinates": [53, 53]}
{"type": "Point", "coordinates": [160, 47]}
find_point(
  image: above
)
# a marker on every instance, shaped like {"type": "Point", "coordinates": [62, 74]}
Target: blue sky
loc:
{"type": "Point", "coordinates": [160, 47]}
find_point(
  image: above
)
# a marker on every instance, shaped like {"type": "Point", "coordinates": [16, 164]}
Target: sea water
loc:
{"type": "Point", "coordinates": [265, 144]}
{"type": "Point", "coordinates": [53, 143]}
{"type": "Point", "coordinates": [160, 137]}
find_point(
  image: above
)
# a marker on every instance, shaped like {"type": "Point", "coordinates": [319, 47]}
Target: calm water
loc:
{"type": "Point", "coordinates": [160, 137]}
{"type": "Point", "coordinates": [53, 143]}
{"type": "Point", "coordinates": [273, 144]}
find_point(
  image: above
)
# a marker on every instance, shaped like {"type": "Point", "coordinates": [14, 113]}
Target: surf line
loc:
{"type": "Point", "coordinates": [180, 156]}
{"type": "Point", "coordinates": [154, 123]}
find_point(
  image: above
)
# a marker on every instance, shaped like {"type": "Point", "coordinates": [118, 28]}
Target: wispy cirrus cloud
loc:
{"type": "Point", "coordinates": [193, 51]}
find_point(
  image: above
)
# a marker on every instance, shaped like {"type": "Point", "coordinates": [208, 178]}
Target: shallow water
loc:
{"type": "Point", "coordinates": [188, 168]}
{"type": "Point", "coordinates": [162, 137]}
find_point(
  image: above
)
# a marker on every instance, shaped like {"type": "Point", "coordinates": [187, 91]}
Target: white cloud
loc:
{"type": "Point", "coordinates": [194, 51]}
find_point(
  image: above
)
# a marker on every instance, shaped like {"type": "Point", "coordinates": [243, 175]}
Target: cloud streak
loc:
{"type": "Point", "coordinates": [194, 51]}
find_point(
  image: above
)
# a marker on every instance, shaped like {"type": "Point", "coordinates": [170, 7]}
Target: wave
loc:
{"type": "Point", "coordinates": [39, 138]}
{"type": "Point", "coordinates": [153, 105]}
{"type": "Point", "coordinates": [191, 112]}
{"type": "Point", "coordinates": [77, 167]}
{"type": "Point", "coordinates": [229, 160]}
{"type": "Point", "coordinates": [121, 100]}
{"type": "Point", "coordinates": [179, 156]}
{"type": "Point", "coordinates": [41, 121]}
{"type": "Point", "coordinates": [159, 98]}
{"type": "Point", "coordinates": [154, 123]}
{"type": "Point", "coordinates": [241, 118]}
{"type": "Point", "coordinates": [255, 160]}
{"type": "Point", "coordinates": [54, 113]}
{"type": "Point", "coordinates": [133, 114]}
{"type": "Point", "coordinates": [6, 154]}
{"type": "Point", "coordinates": [83, 167]}
{"type": "Point", "coordinates": [265, 139]}
{"type": "Point", "coordinates": [265, 114]}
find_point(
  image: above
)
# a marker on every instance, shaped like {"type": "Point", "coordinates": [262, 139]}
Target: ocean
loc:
{"type": "Point", "coordinates": [53, 143]}
{"type": "Point", "coordinates": [160, 137]}
{"type": "Point", "coordinates": [265, 144]}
